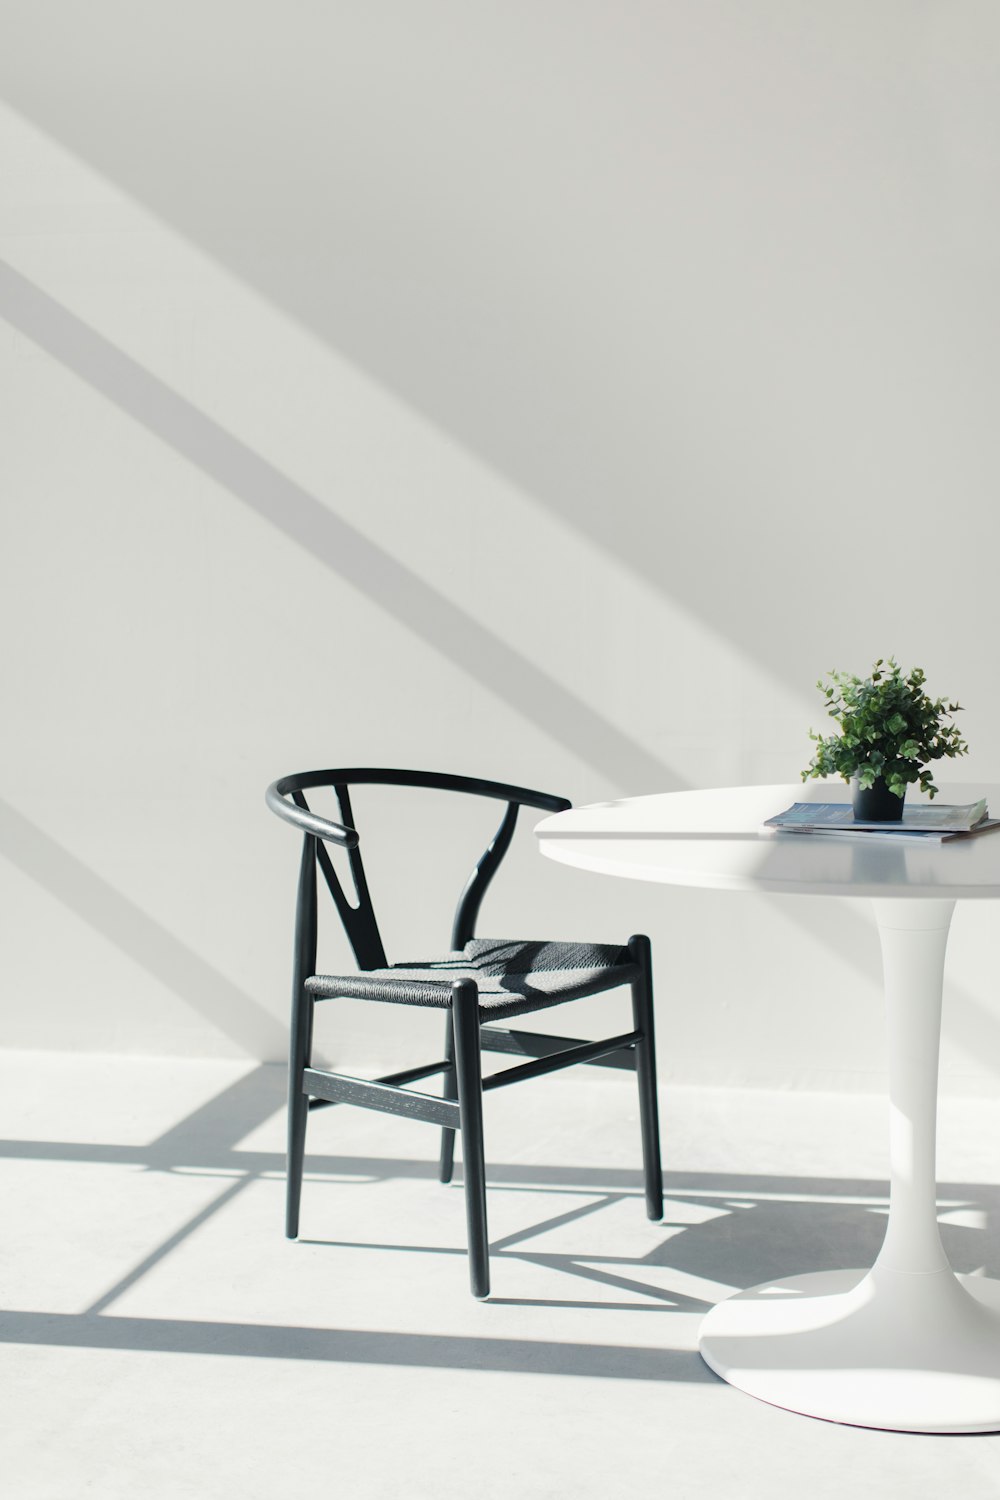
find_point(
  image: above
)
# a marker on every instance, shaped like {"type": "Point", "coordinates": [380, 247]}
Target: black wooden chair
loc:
{"type": "Point", "coordinates": [479, 980]}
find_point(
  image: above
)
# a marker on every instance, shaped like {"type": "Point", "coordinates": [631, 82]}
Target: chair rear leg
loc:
{"type": "Point", "coordinates": [298, 1107]}
{"type": "Point", "coordinates": [645, 1057]}
{"type": "Point", "coordinates": [449, 1091]}
{"type": "Point", "coordinates": [468, 1068]}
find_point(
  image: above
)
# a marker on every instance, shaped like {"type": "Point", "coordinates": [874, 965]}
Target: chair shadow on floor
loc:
{"type": "Point", "coordinates": [721, 1232]}
{"type": "Point", "coordinates": [747, 1230]}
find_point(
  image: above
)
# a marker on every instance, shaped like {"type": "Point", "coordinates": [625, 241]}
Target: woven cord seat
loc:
{"type": "Point", "coordinates": [479, 980]}
{"type": "Point", "coordinates": [512, 978]}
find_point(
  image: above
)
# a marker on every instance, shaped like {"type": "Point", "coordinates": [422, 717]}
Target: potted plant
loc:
{"type": "Point", "coordinates": [890, 731]}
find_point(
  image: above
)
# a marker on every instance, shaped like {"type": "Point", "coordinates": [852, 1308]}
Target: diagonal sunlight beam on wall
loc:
{"type": "Point", "coordinates": [302, 518]}
{"type": "Point", "coordinates": [139, 936]}
{"type": "Point", "coordinates": [658, 672]}
{"type": "Point", "coordinates": [729, 306]}
{"type": "Point", "coordinates": [449, 625]}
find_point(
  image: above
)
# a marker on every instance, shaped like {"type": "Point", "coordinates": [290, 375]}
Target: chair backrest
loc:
{"type": "Point", "coordinates": [358, 918]}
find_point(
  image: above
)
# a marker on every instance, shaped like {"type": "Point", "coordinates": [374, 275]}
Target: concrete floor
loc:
{"type": "Point", "coordinates": [161, 1338]}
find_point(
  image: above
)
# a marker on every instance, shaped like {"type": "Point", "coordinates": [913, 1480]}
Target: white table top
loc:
{"type": "Point", "coordinates": [716, 839]}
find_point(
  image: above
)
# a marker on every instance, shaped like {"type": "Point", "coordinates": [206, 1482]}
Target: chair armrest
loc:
{"type": "Point", "coordinates": [303, 818]}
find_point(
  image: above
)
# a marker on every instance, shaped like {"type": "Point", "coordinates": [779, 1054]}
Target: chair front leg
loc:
{"type": "Point", "coordinates": [300, 1043]}
{"type": "Point", "coordinates": [449, 1091]}
{"type": "Point", "coordinates": [469, 1079]}
{"type": "Point", "coordinates": [298, 1106]}
{"type": "Point", "coordinates": [645, 1061]}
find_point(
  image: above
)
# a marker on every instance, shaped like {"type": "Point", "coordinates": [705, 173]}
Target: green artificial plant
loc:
{"type": "Point", "coordinates": [889, 729]}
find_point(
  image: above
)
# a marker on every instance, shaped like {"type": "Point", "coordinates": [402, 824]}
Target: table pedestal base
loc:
{"type": "Point", "coordinates": [901, 1350]}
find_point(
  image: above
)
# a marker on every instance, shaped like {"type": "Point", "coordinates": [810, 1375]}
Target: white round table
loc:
{"type": "Point", "coordinates": [907, 1345]}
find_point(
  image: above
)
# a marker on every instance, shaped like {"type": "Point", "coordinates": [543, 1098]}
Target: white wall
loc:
{"type": "Point", "coordinates": [545, 391]}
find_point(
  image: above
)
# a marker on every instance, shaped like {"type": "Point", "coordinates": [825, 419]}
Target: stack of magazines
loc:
{"type": "Point", "coordinates": [921, 821]}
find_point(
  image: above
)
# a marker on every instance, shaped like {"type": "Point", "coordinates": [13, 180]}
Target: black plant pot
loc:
{"type": "Point", "coordinates": [876, 804]}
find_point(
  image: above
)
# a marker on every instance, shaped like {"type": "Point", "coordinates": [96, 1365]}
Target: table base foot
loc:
{"type": "Point", "coordinates": [904, 1351]}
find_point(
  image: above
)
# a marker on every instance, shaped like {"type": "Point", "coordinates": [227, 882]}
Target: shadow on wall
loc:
{"type": "Point", "coordinates": [520, 682]}
{"type": "Point", "coordinates": [272, 495]}
{"type": "Point", "coordinates": [139, 936]}
{"type": "Point", "coordinates": [642, 308]}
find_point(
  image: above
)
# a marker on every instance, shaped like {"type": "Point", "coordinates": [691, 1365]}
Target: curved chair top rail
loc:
{"type": "Point", "coordinates": [285, 797]}
{"type": "Point", "coordinates": [337, 833]}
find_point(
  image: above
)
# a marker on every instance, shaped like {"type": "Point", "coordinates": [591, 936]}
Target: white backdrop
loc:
{"type": "Point", "coordinates": [544, 391]}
